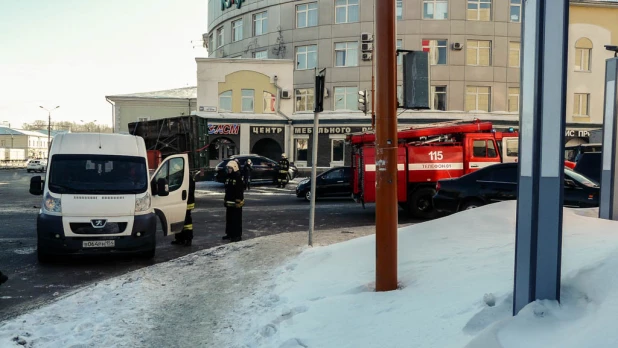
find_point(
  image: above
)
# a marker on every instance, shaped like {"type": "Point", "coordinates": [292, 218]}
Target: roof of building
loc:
{"type": "Point", "coordinates": [53, 132]}
{"type": "Point", "coordinates": [176, 93]}
{"type": "Point", "coordinates": [12, 131]}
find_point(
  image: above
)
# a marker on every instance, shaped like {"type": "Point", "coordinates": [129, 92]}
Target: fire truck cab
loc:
{"type": "Point", "coordinates": [427, 154]}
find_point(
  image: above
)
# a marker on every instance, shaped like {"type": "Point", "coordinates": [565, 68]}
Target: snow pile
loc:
{"type": "Point", "coordinates": [456, 278]}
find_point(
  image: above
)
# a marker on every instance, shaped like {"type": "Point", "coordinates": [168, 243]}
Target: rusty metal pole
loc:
{"type": "Point", "coordinates": [386, 147]}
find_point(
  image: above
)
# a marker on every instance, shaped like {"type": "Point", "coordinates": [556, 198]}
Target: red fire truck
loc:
{"type": "Point", "coordinates": [427, 154]}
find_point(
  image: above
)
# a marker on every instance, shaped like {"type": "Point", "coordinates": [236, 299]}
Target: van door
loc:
{"type": "Point", "coordinates": [171, 209]}
{"type": "Point", "coordinates": [480, 151]}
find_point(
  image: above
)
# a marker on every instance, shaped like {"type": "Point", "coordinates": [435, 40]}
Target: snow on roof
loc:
{"type": "Point", "coordinates": [12, 131]}
{"type": "Point", "coordinates": [53, 132]}
{"type": "Point", "coordinates": [177, 93]}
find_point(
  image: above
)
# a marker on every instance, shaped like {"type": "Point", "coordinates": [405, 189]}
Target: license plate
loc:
{"type": "Point", "coordinates": [99, 243]}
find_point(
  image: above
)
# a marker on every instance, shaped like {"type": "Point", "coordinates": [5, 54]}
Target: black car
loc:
{"type": "Point", "coordinates": [589, 165]}
{"type": "Point", "coordinates": [334, 182]}
{"type": "Point", "coordinates": [264, 169]}
{"type": "Point", "coordinates": [499, 183]}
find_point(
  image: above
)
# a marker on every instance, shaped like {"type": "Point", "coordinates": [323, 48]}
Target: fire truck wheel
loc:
{"type": "Point", "coordinates": [420, 203]}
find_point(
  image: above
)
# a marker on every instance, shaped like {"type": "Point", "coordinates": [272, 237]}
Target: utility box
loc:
{"type": "Point", "coordinates": [416, 81]}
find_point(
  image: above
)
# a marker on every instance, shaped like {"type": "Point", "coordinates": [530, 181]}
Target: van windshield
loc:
{"type": "Point", "coordinates": [96, 174]}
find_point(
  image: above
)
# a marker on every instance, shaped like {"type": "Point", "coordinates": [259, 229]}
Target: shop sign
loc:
{"type": "Point", "coordinates": [327, 130]}
{"type": "Point", "coordinates": [267, 130]}
{"type": "Point", "coordinates": [577, 133]}
{"type": "Point", "coordinates": [225, 4]}
{"type": "Point", "coordinates": [223, 129]}
{"type": "Point", "coordinates": [208, 108]}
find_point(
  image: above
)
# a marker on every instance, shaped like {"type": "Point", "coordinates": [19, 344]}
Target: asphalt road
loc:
{"type": "Point", "coordinates": [268, 210]}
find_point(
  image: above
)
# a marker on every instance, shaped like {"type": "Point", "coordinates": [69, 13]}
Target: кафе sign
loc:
{"type": "Point", "coordinates": [225, 4]}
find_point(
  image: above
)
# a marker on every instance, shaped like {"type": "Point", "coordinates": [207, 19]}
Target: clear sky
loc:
{"type": "Point", "coordinates": [73, 53]}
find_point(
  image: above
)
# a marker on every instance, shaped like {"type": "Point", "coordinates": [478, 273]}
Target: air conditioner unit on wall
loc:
{"type": "Point", "coordinates": [286, 94]}
{"type": "Point", "coordinates": [457, 46]}
{"type": "Point", "coordinates": [366, 47]}
{"type": "Point", "coordinates": [367, 56]}
{"type": "Point", "coordinates": [366, 37]}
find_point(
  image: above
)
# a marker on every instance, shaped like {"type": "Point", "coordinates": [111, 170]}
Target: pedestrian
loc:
{"type": "Point", "coordinates": [233, 202]}
{"type": "Point", "coordinates": [186, 236]}
{"type": "Point", "coordinates": [246, 173]}
{"type": "Point", "coordinates": [284, 167]}
{"type": "Point", "coordinates": [3, 278]}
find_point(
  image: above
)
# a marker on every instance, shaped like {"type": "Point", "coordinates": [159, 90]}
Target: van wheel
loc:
{"type": "Point", "coordinates": [148, 254]}
{"type": "Point", "coordinates": [420, 204]}
{"type": "Point", "coordinates": [42, 256]}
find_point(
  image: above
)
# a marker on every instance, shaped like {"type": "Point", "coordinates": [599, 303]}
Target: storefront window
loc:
{"type": "Point", "coordinates": [337, 153]}
{"type": "Point", "coordinates": [269, 103]}
{"type": "Point", "coordinates": [301, 148]}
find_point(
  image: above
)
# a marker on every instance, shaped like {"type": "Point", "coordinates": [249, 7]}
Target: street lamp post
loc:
{"type": "Point", "coordinates": [48, 127]}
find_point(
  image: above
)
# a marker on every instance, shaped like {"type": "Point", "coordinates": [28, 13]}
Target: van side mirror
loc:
{"type": "Point", "coordinates": [36, 186]}
{"type": "Point", "coordinates": [163, 189]}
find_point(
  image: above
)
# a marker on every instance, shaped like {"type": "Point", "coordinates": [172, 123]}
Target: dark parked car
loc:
{"type": "Point", "coordinates": [499, 183]}
{"type": "Point", "coordinates": [589, 165]}
{"type": "Point", "coordinates": [334, 182]}
{"type": "Point", "coordinates": [264, 169]}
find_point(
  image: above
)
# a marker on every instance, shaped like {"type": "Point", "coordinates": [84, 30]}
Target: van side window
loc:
{"type": "Point", "coordinates": [512, 148]}
{"type": "Point", "coordinates": [177, 173]}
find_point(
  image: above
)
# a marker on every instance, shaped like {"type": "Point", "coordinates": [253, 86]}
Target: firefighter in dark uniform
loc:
{"type": "Point", "coordinates": [284, 166]}
{"type": "Point", "coordinates": [186, 236]}
{"type": "Point", "coordinates": [233, 202]}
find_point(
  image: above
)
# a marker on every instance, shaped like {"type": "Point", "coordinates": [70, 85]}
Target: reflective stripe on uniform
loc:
{"type": "Point", "coordinates": [188, 227]}
{"type": "Point", "coordinates": [190, 206]}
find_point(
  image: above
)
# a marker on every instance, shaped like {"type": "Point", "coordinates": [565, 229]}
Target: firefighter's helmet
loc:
{"type": "Point", "coordinates": [233, 165]}
{"type": "Point", "coordinates": [249, 161]}
{"type": "Point", "coordinates": [284, 155]}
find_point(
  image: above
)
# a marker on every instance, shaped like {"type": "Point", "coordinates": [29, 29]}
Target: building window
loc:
{"type": "Point", "coordinates": [142, 119]}
{"type": "Point", "coordinates": [237, 30]}
{"type": "Point", "coordinates": [220, 34]}
{"type": "Point", "coordinates": [248, 96]}
{"type": "Point", "coordinates": [438, 98]}
{"type": "Point", "coordinates": [306, 57]}
{"type": "Point", "coordinates": [399, 10]}
{"type": "Point", "coordinates": [435, 9]}
{"type": "Point", "coordinates": [225, 101]}
{"type": "Point", "coordinates": [307, 15]}
{"type": "Point", "coordinates": [478, 98]}
{"type": "Point", "coordinates": [260, 23]}
{"type": "Point", "coordinates": [269, 103]}
{"type": "Point", "coordinates": [304, 99]}
{"type": "Point", "coordinates": [211, 43]}
{"type": "Point", "coordinates": [346, 11]}
{"type": "Point", "coordinates": [3, 143]}
{"type": "Point", "coordinates": [346, 98]}
{"type": "Point", "coordinates": [513, 99]}
{"type": "Point", "coordinates": [514, 54]}
{"type": "Point", "coordinates": [479, 53]}
{"type": "Point", "coordinates": [260, 54]}
{"type": "Point", "coordinates": [346, 54]}
{"type": "Point", "coordinates": [301, 148]}
{"type": "Point", "coordinates": [583, 49]}
{"type": "Point", "coordinates": [400, 55]}
{"type": "Point", "coordinates": [337, 151]}
{"type": "Point", "coordinates": [479, 10]}
{"type": "Point", "coordinates": [515, 12]}
{"type": "Point", "coordinates": [580, 105]}
{"type": "Point", "coordinates": [437, 51]}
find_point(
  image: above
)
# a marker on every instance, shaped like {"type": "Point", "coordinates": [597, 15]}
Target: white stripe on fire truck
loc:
{"type": "Point", "coordinates": [372, 167]}
{"type": "Point", "coordinates": [435, 166]}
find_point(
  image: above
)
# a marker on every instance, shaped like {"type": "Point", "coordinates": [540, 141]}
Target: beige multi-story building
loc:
{"type": "Point", "coordinates": [34, 143]}
{"type": "Point", "coordinates": [474, 48]}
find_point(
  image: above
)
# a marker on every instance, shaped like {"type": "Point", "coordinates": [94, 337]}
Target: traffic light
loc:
{"type": "Point", "coordinates": [363, 101]}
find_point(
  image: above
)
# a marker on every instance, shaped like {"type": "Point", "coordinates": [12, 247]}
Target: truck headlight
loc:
{"type": "Point", "coordinates": [52, 204]}
{"type": "Point", "coordinates": [142, 203]}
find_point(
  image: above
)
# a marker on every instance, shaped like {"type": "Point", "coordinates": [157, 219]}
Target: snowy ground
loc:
{"type": "Point", "coordinates": [217, 188]}
{"type": "Point", "coordinates": [456, 290]}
